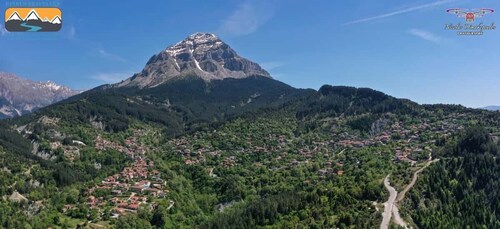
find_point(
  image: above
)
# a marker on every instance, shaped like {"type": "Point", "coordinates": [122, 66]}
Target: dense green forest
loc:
{"type": "Point", "coordinates": [461, 190]}
{"type": "Point", "coordinates": [179, 106]}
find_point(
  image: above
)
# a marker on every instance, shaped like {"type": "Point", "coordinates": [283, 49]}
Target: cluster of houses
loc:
{"type": "Point", "coordinates": [133, 186]}
{"type": "Point", "coordinates": [130, 148]}
{"type": "Point", "coordinates": [191, 157]}
{"type": "Point", "coordinates": [184, 146]}
{"type": "Point", "coordinates": [277, 143]}
{"type": "Point", "coordinates": [229, 161]}
{"type": "Point", "coordinates": [332, 168]}
{"type": "Point", "coordinates": [410, 138]}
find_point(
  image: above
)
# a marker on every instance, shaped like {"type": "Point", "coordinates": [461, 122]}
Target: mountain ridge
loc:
{"type": "Point", "coordinates": [175, 90]}
{"type": "Point", "coordinates": [20, 96]}
{"type": "Point", "coordinates": [491, 108]}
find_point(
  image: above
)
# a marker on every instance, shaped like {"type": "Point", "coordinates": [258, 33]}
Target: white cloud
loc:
{"type": "Point", "coordinates": [112, 77]}
{"type": "Point", "coordinates": [398, 12]}
{"type": "Point", "coordinates": [426, 35]}
{"type": "Point", "coordinates": [247, 18]}
{"type": "Point", "coordinates": [110, 56]}
{"type": "Point", "coordinates": [272, 65]}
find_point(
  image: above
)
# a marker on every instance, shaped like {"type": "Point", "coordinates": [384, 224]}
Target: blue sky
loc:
{"type": "Point", "coordinates": [395, 46]}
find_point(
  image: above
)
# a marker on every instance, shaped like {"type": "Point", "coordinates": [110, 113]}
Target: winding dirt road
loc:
{"type": "Point", "coordinates": [397, 218]}
{"type": "Point", "coordinates": [402, 194]}
{"type": "Point", "coordinates": [390, 206]}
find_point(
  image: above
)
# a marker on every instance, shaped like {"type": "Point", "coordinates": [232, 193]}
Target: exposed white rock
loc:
{"type": "Point", "coordinates": [201, 54]}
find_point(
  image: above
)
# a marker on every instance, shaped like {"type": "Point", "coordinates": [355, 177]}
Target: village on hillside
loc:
{"type": "Point", "coordinates": [409, 142]}
{"type": "Point", "coordinates": [134, 187]}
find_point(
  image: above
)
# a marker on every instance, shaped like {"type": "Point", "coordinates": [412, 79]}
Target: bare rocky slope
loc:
{"type": "Point", "coordinates": [201, 54]}
{"type": "Point", "coordinates": [20, 96]}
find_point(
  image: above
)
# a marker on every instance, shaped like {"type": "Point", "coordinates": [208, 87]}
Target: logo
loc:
{"type": "Point", "coordinates": [33, 19]}
{"type": "Point", "coordinates": [470, 16]}
{"type": "Point", "coordinates": [470, 28]}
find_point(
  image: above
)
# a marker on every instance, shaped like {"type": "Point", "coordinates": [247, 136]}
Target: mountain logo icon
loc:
{"type": "Point", "coordinates": [33, 19]}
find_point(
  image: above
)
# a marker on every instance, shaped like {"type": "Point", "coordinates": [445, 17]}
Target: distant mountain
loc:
{"type": "Point", "coordinates": [203, 55]}
{"type": "Point", "coordinates": [19, 96]}
{"type": "Point", "coordinates": [492, 108]}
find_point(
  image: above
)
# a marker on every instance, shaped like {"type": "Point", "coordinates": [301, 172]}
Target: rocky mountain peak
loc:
{"type": "Point", "coordinates": [195, 43]}
{"type": "Point", "coordinates": [20, 96]}
{"type": "Point", "coordinates": [200, 35]}
{"type": "Point", "coordinates": [201, 54]}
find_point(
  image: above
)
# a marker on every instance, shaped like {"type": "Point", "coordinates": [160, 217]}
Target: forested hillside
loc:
{"type": "Point", "coordinates": [181, 105]}
{"type": "Point", "coordinates": [463, 188]}
{"type": "Point", "coordinates": [239, 153]}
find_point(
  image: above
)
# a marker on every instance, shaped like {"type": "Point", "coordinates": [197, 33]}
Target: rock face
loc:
{"type": "Point", "coordinates": [201, 54]}
{"type": "Point", "coordinates": [19, 96]}
{"type": "Point", "coordinates": [17, 197]}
